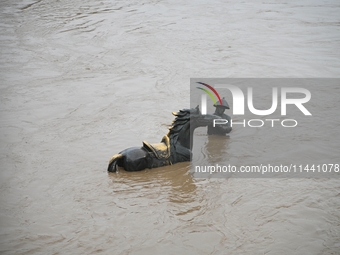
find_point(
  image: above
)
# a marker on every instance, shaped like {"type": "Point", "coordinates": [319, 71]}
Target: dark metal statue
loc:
{"type": "Point", "coordinates": [219, 111]}
{"type": "Point", "coordinates": [175, 147]}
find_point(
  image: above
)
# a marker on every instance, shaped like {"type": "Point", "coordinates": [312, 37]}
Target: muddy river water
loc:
{"type": "Point", "coordinates": [82, 80]}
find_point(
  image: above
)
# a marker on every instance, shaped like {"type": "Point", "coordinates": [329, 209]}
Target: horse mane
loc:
{"type": "Point", "coordinates": [182, 117]}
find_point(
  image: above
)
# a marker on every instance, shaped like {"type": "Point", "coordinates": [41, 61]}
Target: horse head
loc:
{"type": "Point", "coordinates": [197, 119]}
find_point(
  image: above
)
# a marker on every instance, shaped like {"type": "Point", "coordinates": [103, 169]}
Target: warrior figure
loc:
{"type": "Point", "coordinates": [218, 130]}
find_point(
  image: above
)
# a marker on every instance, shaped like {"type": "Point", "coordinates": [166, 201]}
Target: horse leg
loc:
{"type": "Point", "coordinates": [114, 162]}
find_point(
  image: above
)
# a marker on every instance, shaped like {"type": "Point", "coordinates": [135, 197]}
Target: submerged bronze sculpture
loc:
{"type": "Point", "coordinates": [219, 111]}
{"type": "Point", "coordinates": [175, 147]}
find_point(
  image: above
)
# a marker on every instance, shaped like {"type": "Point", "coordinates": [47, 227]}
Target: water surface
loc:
{"type": "Point", "coordinates": [82, 80]}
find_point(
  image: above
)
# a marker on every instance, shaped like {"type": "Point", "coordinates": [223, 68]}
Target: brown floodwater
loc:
{"type": "Point", "coordinates": [82, 80]}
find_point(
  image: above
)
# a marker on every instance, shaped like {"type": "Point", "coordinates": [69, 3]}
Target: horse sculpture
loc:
{"type": "Point", "coordinates": [175, 147]}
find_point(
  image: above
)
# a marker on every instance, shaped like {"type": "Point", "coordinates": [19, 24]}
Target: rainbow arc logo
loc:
{"type": "Point", "coordinates": [215, 97]}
